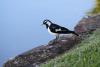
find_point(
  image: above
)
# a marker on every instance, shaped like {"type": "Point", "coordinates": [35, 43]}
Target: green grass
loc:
{"type": "Point", "coordinates": [85, 54]}
{"type": "Point", "coordinates": [96, 8]}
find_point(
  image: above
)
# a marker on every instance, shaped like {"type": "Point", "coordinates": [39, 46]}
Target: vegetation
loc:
{"type": "Point", "coordinates": [96, 9]}
{"type": "Point", "coordinates": [85, 54]}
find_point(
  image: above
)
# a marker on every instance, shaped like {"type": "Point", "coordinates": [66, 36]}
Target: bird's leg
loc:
{"type": "Point", "coordinates": [55, 40]}
{"type": "Point", "coordinates": [57, 37]}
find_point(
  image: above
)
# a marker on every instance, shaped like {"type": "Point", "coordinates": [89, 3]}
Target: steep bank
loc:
{"type": "Point", "coordinates": [41, 54]}
{"type": "Point", "coordinates": [85, 54]}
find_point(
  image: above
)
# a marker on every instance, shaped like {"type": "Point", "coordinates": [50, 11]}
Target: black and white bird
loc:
{"type": "Point", "coordinates": [56, 29]}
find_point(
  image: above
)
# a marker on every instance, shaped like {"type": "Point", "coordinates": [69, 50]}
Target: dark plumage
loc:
{"type": "Point", "coordinates": [56, 29]}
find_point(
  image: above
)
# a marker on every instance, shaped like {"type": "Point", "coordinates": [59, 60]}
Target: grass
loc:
{"type": "Point", "coordinates": [85, 54]}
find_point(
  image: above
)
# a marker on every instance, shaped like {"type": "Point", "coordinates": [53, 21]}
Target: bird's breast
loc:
{"type": "Point", "coordinates": [52, 33]}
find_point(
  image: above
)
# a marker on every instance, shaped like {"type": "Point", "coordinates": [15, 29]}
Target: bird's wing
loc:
{"type": "Point", "coordinates": [58, 29]}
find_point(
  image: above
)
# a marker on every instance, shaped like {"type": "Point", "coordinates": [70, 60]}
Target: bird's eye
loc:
{"type": "Point", "coordinates": [45, 22]}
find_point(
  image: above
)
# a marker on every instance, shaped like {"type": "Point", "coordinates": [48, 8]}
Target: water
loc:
{"type": "Point", "coordinates": [20, 22]}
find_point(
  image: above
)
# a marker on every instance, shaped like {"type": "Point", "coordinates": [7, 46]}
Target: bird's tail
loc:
{"type": "Point", "coordinates": [73, 32]}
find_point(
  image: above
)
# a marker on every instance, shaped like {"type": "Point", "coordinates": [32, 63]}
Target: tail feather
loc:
{"type": "Point", "coordinates": [74, 33]}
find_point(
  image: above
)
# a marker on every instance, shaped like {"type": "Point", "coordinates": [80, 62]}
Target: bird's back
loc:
{"type": "Point", "coordinates": [58, 29]}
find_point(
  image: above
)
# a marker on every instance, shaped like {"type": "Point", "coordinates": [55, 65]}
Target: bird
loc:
{"type": "Point", "coordinates": [56, 29]}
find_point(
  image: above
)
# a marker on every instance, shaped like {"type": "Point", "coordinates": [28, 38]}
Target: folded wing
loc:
{"type": "Point", "coordinates": [58, 29]}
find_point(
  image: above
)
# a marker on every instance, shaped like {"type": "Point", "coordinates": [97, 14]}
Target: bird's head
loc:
{"type": "Point", "coordinates": [47, 22]}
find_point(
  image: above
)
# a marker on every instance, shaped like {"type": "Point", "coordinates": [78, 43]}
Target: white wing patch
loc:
{"type": "Point", "coordinates": [58, 30]}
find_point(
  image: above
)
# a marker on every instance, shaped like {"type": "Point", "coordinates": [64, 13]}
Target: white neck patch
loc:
{"type": "Point", "coordinates": [48, 23]}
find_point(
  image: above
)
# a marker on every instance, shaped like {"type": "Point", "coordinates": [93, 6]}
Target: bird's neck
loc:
{"type": "Point", "coordinates": [48, 23]}
{"type": "Point", "coordinates": [47, 26]}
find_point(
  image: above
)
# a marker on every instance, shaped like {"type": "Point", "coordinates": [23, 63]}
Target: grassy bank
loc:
{"type": "Point", "coordinates": [85, 54]}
